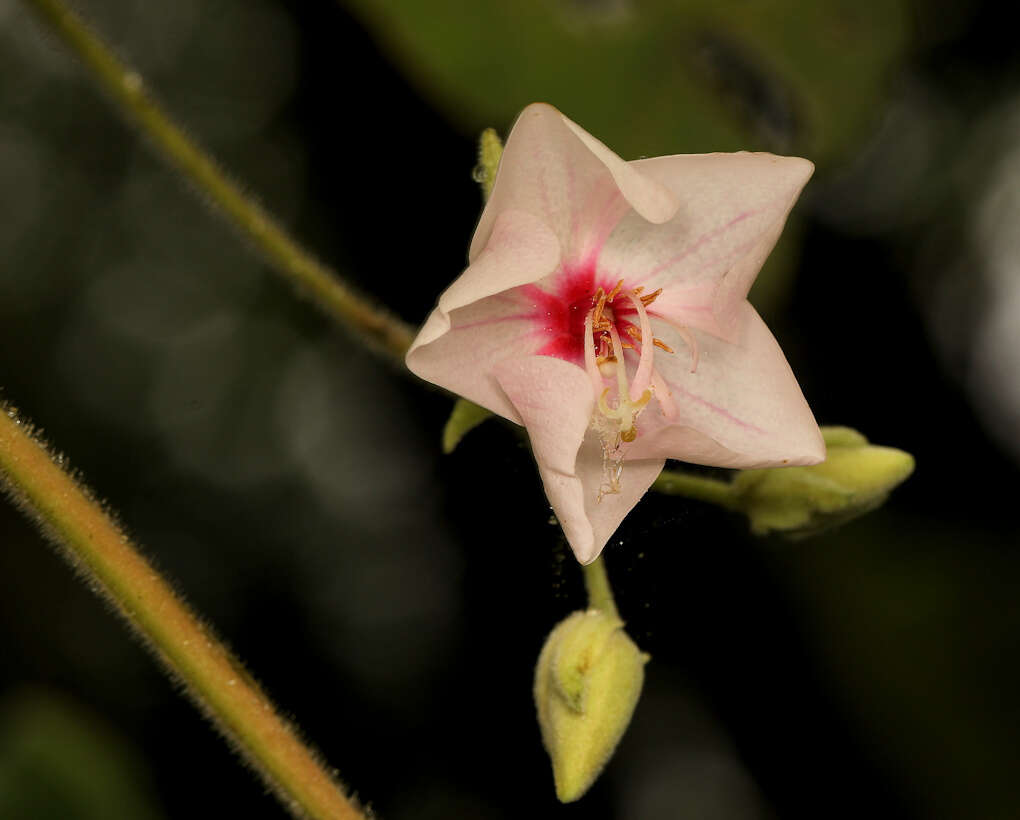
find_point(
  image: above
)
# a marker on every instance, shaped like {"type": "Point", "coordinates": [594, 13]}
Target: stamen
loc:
{"type": "Point", "coordinates": [600, 303]}
{"type": "Point", "coordinates": [590, 360]}
{"type": "Point", "coordinates": [651, 297]}
{"type": "Point", "coordinates": [643, 376]}
{"type": "Point", "coordinates": [692, 345]}
{"type": "Point", "coordinates": [663, 395]}
{"type": "Point", "coordinates": [689, 340]}
{"type": "Point", "coordinates": [604, 350]}
{"type": "Point", "coordinates": [621, 370]}
{"type": "Point", "coordinates": [662, 345]}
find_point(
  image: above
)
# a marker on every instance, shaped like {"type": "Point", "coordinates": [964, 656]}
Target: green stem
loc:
{"type": "Point", "coordinates": [700, 488]}
{"type": "Point", "coordinates": [93, 543]}
{"type": "Point", "coordinates": [596, 581]}
{"type": "Point", "coordinates": [127, 89]}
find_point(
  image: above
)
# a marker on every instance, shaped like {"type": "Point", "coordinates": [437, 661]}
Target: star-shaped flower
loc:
{"type": "Point", "coordinates": [604, 308]}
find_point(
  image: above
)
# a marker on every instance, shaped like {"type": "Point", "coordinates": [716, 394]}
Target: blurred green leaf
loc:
{"type": "Point", "coordinates": [659, 76]}
{"type": "Point", "coordinates": [58, 762]}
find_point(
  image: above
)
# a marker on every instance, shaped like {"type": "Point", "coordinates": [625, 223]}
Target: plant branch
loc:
{"type": "Point", "coordinates": [317, 281]}
{"type": "Point", "coordinates": [93, 543]}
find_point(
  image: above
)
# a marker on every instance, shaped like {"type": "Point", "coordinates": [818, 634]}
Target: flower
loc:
{"type": "Point", "coordinates": [604, 308]}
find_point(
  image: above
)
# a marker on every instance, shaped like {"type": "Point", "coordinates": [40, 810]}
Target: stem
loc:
{"type": "Point", "coordinates": [70, 516]}
{"type": "Point", "coordinates": [596, 581]}
{"type": "Point", "coordinates": [317, 281]}
{"type": "Point", "coordinates": [700, 488]}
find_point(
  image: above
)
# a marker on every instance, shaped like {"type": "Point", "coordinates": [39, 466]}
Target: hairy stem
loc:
{"type": "Point", "coordinates": [70, 516]}
{"type": "Point", "coordinates": [700, 488]}
{"type": "Point", "coordinates": [596, 581]}
{"type": "Point", "coordinates": [127, 89]}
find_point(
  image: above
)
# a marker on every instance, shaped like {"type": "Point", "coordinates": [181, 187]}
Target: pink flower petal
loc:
{"type": "Point", "coordinates": [521, 250]}
{"type": "Point", "coordinates": [573, 183]}
{"type": "Point", "coordinates": [480, 318]}
{"type": "Point", "coordinates": [732, 210]}
{"type": "Point", "coordinates": [462, 357]}
{"type": "Point", "coordinates": [742, 408]}
{"type": "Point", "coordinates": [555, 402]}
{"type": "Point", "coordinates": [606, 515]}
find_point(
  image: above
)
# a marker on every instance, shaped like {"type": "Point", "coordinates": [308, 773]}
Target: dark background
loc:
{"type": "Point", "coordinates": [394, 600]}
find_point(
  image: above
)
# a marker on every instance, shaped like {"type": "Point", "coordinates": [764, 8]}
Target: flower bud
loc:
{"type": "Point", "coordinates": [587, 683]}
{"type": "Point", "coordinates": [855, 477]}
{"type": "Point", "coordinates": [490, 149]}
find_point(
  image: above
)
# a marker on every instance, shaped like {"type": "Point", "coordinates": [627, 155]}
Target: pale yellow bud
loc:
{"type": "Point", "coordinates": [855, 477]}
{"type": "Point", "coordinates": [490, 150]}
{"type": "Point", "coordinates": [587, 683]}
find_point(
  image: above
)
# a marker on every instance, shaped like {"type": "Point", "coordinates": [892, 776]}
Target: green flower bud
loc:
{"type": "Point", "coordinates": [855, 477]}
{"type": "Point", "coordinates": [587, 683]}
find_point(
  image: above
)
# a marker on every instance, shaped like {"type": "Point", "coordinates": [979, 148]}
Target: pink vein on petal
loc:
{"type": "Point", "coordinates": [717, 232]}
{"type": "Point", "coordinates": [708, 237]}
{"type": "Point", "coordinates": [736, 251]}
{"type": "Point", "coordinates": [715, 408]}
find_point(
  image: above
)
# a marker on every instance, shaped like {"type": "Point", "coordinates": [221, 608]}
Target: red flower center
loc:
{"type": "Point", "coordinates": [562, 309]}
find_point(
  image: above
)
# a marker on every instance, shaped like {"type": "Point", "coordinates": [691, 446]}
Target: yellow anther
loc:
{"type": "Point", "coordinates": [600, 303]}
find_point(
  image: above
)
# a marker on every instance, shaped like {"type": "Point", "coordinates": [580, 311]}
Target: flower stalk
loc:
{"type": "Point", "coordinates": [596, 582]}
{"type": "Point", "coordinates": [855, 478]}
{"type": "Point", "coordinates": [697, 487]}
{"type": "Point", "coordinates": [315, 280]}
{"type": "Point", "coordinates": [99, 549]}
